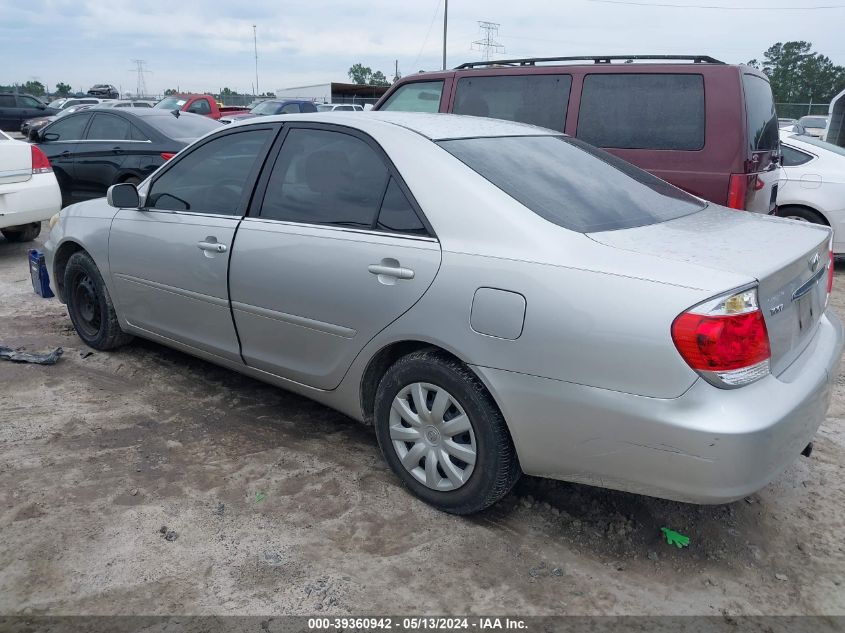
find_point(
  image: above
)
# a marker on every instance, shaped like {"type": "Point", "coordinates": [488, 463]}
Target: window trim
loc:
{"type": "Point", "coordinates": [270, 162]}
{"type": "Point", "coordinates": [249, 186]}
{"type": "Point", "coordinates": [587, 75]}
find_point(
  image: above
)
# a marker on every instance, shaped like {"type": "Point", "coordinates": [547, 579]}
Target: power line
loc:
{"type": "Point", "coordinates": [427, 33]}
{"type": "Point", "coordinates": [488, 42]}
{"type": "Point", "coordinates": [719, 7]}
{"type": "Point", "coordinates": [140, 84]}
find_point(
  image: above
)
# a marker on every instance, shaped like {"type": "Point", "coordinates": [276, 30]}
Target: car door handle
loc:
{"type": "Point", "coordinates": [117, 150]}
{"type": "Point", "coordinates": [214, 247]}
{"type": "Point", "coordinates": [65, 154]}
{"type": "Point", "coordinates": [391, 271]}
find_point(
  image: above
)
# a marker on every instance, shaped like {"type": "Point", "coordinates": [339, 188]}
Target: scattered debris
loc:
{"type": "Point", "coordinates": [750, 500]}
{"type": "Point", "coordinates": [221, 508]}
{"type": "Point", "coordinates": [17, 356]}
{"type": "Point", "coordinates": [557, 571]}
{"type": "Point", "coordinates": [169, 535]}
{"type": "Point", "coordinates": [675, 538]}
{"type": "Point", "coordinates": [86, 354]}
{"type": "Point", "coordinates": [653, 556]}
{"type": "Point", "coordinates": [133, 491]}
{"type": "Point", "coordinates": [259, 497]}
{"type": "Point", "coordinates": [782, 577]}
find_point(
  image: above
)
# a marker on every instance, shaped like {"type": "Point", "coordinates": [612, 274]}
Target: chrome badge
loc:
{"type": "Point", "coordinates": [775, 310]}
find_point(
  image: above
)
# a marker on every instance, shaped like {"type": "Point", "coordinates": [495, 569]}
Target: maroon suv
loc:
{"type": "Point", "coordinates": [707, 127]}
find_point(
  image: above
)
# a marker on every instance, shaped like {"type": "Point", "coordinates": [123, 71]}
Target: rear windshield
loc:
{"type": "Point", "coordinates": [573, 184]}
{"type": "Point", "coordinates": [185, 127]}
{"type": "Point", "coordinates": [809, 121]}
{"type": "Point", "coordinates": [762, 128]}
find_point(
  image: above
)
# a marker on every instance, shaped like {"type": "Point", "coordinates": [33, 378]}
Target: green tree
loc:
{"type": "Point", "coordinates": [360, 74]}
{"type": "Point", "coordinates": [170, 91]}
{"type": "Point", "coordinates": [228, 92]}
{"type": "Point", "coordinates": [800, 75]}
{"type": "Point", "coordinates": [35, 88]}
{"type": "Point", "coordinates": [63, 89]}
{"type": "Point", "coordinates": [378, 79]}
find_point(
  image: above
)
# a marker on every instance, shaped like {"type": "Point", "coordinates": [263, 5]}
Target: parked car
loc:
{"type": "Point", "coordinates": [205, 105]}
{"type": "Point", "coordinates": [495, 298]}
{"type": "Point", "coordinates": [17, 108]}
{"type": "Point", "coordinates": [814, 125]}
{"type": "Point", "coordinates": [813, 188]}
{"type": "Point", "coordinates": [126, 103]}
{"type": "Point", "coordinates": [29, 192]}
{"type": "Point", "coordinates": [106, 91]}
{"type": "Point", "coordinates": [652, 113]}
{"type": "Point", "coordinates": [68, 102]}
{"type": "Point", "coordinates": [270, 107]}
{"type": "Point", "coordinates": [340, 107]}
{"type": "Point", "coordinates": [93, 149]}
{"type": "Point", "coordinates": [29, 126]}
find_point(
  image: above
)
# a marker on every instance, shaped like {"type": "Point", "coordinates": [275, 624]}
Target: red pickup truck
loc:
{"type": "Point", "coordinates": [198, 104]}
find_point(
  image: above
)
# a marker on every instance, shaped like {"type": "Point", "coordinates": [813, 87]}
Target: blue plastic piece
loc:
{"type": "Point", "coordinates": [38, 273]}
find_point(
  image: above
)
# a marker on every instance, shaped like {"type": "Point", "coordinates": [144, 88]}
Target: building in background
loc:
{"type": "Point", "coordinates": [334, 92]}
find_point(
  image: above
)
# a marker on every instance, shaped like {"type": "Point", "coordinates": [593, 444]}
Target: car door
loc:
{"type": "Point", "coordinates": [28, 108]}
{"type": "Point", "coordinates": [334, 249]}
{"type": "Point", "coordinates": [169, 260]}
{"type": "Point", "coordinates": [8, 113]}
{"type": "Point", "coordinates": [60, 140]}
{"type": "Point", "coordinates": [102, 153]}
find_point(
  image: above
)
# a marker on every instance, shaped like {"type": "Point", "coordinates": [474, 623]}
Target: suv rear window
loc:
{"type": "Point", "coordinates": [643, 111]}
{"type": "Point", "coordinates": [536, 99]}
{"type": "Point", "coordinates": [762, 120]}
{"type": "Point", "coordinates": [418, 96]}
{"type": "Point", "coordinates": [572, 184]}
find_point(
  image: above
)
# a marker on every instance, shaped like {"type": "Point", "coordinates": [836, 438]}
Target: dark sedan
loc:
{"type": "Point", "coordinates": [271, 107]}
{"type": "Point", "coordinates": [93, 149]}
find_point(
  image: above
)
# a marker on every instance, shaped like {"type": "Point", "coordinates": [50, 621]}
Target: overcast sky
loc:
{"type": "Point", "coordinates": [203, 45]}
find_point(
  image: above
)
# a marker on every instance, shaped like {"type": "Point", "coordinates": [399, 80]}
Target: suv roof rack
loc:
{"type": "Point", "coordinates": [596, 59]}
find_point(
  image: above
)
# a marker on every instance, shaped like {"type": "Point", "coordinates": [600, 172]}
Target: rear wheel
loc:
{"type": "Point", "coordinates": [22, 233]}
{"type": "Point", "coordinates": [89, 305]}
{"type": "Point", "coordinates": [801, 214]}
{"type": "Point", "coordinates": [442, 435]}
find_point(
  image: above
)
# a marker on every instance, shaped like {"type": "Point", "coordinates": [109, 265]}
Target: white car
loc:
{"type": "Point", "coordinates": [812, 188]}
{"type": "Point", "coordinates": [814, 125]}
{"type": "Point", "coordinates": [29, 192]}
{"type": "Point", "coordinates": [339, 107]}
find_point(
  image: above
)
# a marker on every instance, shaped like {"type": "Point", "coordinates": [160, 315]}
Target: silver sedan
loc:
{"type": "Point", "coordinates": [493, 297]}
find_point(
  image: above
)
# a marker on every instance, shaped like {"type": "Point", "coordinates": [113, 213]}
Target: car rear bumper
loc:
{"type": "Point", "coordinates": [34, 200]}
{"type": "Point", "coordinates": [707, 446]}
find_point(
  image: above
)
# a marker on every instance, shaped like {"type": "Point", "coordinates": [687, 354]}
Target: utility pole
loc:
{"type": "Point", "coordinates": [445, 24]}
{"type": "Point", "coordinates": [140, 84]}
{"type": "Point", "coordinates": [255, 45]}
{"type": "Point", "coordinates": [488, 41]}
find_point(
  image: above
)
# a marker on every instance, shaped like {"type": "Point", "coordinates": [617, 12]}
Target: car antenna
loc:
{"type": "Point", "coordinates": [175, 113]}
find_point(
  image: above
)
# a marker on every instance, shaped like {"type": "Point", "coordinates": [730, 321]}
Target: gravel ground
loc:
{"type": "Point", "coordinates": [145, 481]}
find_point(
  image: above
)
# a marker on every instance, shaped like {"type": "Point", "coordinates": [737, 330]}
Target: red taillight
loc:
{"type": "Point", "coordinates": [737, 191]}
{"type": "Point", "coordinates": [40, 162]}
{"type": "Point", "coordinates": [168, 155]}
{"type": "Point", "coordinates": [721, 343]}
{"type": "Point", "coordinates": [726, 338]}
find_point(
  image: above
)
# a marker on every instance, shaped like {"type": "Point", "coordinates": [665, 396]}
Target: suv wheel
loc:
{"type": "Point", "coordinates": [442, 435]}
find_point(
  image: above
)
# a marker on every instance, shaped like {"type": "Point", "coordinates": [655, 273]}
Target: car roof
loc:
{"type": "Point", "coordinates": [436, 127]}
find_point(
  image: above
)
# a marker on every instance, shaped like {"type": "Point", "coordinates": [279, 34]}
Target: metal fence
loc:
{"type": "Point", "coordinates": [797, 110]}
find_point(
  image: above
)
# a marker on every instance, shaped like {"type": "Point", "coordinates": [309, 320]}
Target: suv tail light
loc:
{"type": "Point", "coordinates": [40, 162]}
{"type": "Point", "coordinates": [168, 155]}
{"type": "Point", "coordinates": [725, 339]}
{"type": "Point", "coordinates": [737, 191]}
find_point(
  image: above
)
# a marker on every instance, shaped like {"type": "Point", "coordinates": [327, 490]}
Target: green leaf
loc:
{"type": "Point", "coordinates": [675, 538]}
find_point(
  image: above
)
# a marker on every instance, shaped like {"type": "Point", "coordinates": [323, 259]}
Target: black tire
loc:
{"type": "Point", "coordinates": [22, 233]}
{"type": "Point", "coordinates": [802, 213]}
{"type": "Point", "coordinates": [89, 305]}
{"type": "Point", "coordinates": [496, 468]}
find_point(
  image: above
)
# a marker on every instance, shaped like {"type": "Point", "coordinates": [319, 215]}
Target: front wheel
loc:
{"type": "Point", "coordinates": [442, 435]}
{"type": "Point", "coordinates": [22, 233]}
{"type": "Point", "coordinates": [89, 305]}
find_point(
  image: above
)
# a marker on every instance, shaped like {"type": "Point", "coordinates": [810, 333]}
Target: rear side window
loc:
{"type": "Point", "coordinates": [7, 101]}
{"type": "Point", "coordinates": [325, 177]}
{"type": "Point", "coordinates": [211, 178]}
{"type": "Point", "coordinates": [642, 111]}
{"type": "Point", "coordinates": [536, 99]}
{"type": "Point", "coordinates": [70, 128]}
{"type": "Point", "coordinates": [397, 215]}
{"type": "Point", "coordinates": [572, 184]}
{"type": "Point", "coordinates": [419, 96]}
{"type": "Point", "coordinates": [762, 120]}
{"type": "Point", "coordinates": [793, 157]}
{"type": "Point", "coordinates": [105, 127]}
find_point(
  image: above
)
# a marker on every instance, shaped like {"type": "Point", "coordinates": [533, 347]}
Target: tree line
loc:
{"type": "Point", "coordinates": [800, 75]}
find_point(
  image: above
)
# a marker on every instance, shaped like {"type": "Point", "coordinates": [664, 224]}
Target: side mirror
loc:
{"type": "Point", "coordinates": [123, 195]}
{"type": "Point", "coordinates": [41, 106]}
{"type": "Point", "coordinates": [36, 136]}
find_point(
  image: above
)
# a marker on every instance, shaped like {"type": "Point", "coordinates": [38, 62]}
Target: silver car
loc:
{"type": "Point", "coordinates": [494, 298]}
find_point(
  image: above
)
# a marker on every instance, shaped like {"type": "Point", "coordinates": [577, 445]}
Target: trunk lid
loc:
{"type": "Point", "coordinates": [788, 259]}
{"type": "Point", "coordinates": [15, 161]}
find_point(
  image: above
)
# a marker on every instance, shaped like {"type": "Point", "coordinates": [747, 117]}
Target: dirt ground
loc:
{"type": "Point", "coordinates": [145, 481]}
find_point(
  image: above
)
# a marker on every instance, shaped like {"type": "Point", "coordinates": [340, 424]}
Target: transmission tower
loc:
{"type": "Point", "coordinates": [140, 84]}
{"type": "Point", "coordinates": [488, 43]}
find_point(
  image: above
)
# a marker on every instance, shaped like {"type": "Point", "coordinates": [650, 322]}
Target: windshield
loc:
{"type": "Point", "coordinates": [813, 121]}
{"type": "Point", "coordinates": [573, 184]}
{"type": "Point", "coordinates": [57, 103]}
{"type": "Point", "coordinates": [325, 108]}
{"type": "Point", "coordinates": [171, 103]}
{"type": "Point", "coordinates": [265, 107]}
{"type": "Point", "coordinates": [186, 127]}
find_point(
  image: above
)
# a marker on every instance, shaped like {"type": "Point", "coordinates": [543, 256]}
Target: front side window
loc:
{"type": "Point", "coordinates": [200, 107]}
{"type": "Point", "coordinates": [572, 184]}
{"type": "Point", "coordinates": [419, 96]}
{"type": "Point", "coordinates": [105, 127]}
{"type": "Point", "coordinates": [210, 179]}
{"type": "Point", "coordinates": [643, 111]}
{"type": "Point", "coordinates": [325, 177]}
{"type": "Point", "coordinates": [7, 101]}
{"type": "Point", "coordinates": [290, 108]}
{"type": "Point", "coordinates": [28, 102]}
{"type": "Point", "coordinates": [536, 99]}
{"type": "Point", "coordinates": [793, 157]}
{"type": "Point", "coordinates": [70, 128]}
